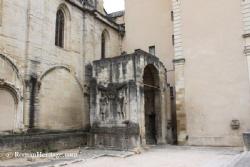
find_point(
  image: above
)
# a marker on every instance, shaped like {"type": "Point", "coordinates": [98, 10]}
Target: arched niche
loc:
{"type": "Point", "coordinates": [8, 112]}
{"type": "Point", "coordinates": [61, 102]}
{"type": "Point", "coordinates": [11, 97]}
{"type": "Point", "coordinates": [105, 44]}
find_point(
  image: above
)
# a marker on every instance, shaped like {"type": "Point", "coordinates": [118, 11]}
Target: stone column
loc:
{"type": "Point", "coordinates": [179, 63]}
{"type": "Point", "coordinates": [164, 110]}
{"type": "Point", "coordinates": [180, 101]}
{"type": "Point", "coordinates": [1, 11]}
{"type": "Point", "coordinates": [246, 35]}
{"type": "Point", "coordinates": [247, 53]}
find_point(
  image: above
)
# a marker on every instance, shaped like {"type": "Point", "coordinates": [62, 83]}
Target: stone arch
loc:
{"type": "Point", "coordinates": [61, 101]}
{"type": "Point", "coordinates": [9, 106]}
{"type": "Point", "coordinates": [105, 44]}
{"type": "Point", "coordinates": [67, 24]}
{"type": "Point", "coordinates": [52, 69]}
{"type": "Point", "coordinates": [12, 90]}
{"type": "Point", "coordinates": [65, 10]}
{"type": "Point", "coordinates": [56, 68]}
{"type": "Point", "coordinates": [151, 75]}
{"type": "Point", "coordinates": [6, 62]}
{"type": "Point", "coordinates": [11, 85]}
{"type": "Point", "coordinates": [152, 105]}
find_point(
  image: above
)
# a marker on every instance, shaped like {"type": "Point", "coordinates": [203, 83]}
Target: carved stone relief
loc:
{"type": "Point", "coordinates": [113, 103]}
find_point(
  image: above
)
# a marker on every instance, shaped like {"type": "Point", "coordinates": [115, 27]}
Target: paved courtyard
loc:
{"type": "Point", "coordinates": [156, 156]}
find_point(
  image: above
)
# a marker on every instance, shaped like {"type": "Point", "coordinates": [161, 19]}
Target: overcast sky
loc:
{"type": "Point", "coordinates": [113, 5]}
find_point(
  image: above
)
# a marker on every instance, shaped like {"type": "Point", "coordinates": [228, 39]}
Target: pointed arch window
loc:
{"type": "Point", "coordinates": [60, 26]}
{"type": "Point", "coordinates": [103, 46]}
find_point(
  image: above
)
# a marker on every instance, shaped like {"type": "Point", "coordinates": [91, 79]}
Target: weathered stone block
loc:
{"type": "Point", "coordinates": [124, 111]}
{"type": "Point", "coordinates": [43, 142]}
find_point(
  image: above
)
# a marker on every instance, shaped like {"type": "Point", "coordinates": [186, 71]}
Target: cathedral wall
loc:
{"type": "Point", "coordinates": [51, 76]}
{"type": "Point", "coordinates": [12, 64]}
{"type": "Point", "coordinates": [61, 87]}
{"type": "Point", "coordinates": [59, 95]}
{"type": "Point", "coordinates": [92, 42]}
{"type": "Point", "coordinates": [13, 31]}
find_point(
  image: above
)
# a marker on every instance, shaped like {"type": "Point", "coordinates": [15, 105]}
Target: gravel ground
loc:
{"type": "Point", "coordinates": [156, 156]}
{"type": "Point", "coordinates": [169, 157]}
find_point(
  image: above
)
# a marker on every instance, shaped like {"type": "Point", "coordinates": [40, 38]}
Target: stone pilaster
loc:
{"type": "Point", "coordinates": [246, 35]}
{"type": "Point", "coordinates": [1, 11]}
{"type": "Point", "coordinates": [180, 100]}
{"type": "Point", "coordinates": [179, 62]}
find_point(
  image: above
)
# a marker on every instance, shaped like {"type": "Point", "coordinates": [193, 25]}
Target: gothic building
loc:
{"type": "Point", "coordinates": [45, 50]}
{"type": "Point", "coordinates": [172, 73]}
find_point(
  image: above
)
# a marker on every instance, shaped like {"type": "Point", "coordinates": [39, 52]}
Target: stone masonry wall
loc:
{"type": "Point", "coordinates": [27, 35]}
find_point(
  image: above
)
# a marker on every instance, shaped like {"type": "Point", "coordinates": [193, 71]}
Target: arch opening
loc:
{"type": "Point", "coordinates": [151, 103]}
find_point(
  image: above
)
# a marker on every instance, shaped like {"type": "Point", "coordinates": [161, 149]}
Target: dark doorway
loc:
{"type": "Point", "coordinates": [151, 99]}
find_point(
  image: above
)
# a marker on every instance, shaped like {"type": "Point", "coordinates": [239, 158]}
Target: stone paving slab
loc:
{"type": "Point", "coordinates": [242, 160]}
